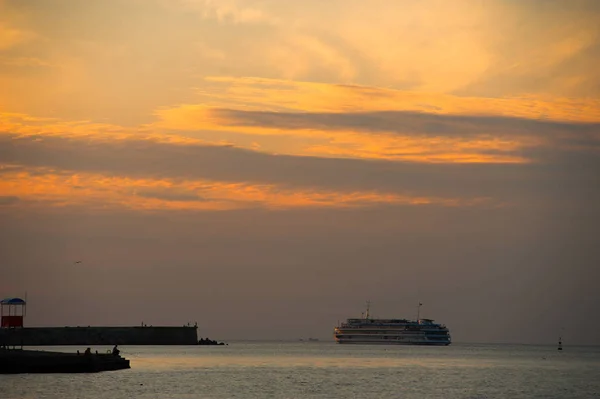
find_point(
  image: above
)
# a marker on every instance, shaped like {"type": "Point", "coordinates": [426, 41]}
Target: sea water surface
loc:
{"type": "Point", "coordinates": [326, 370]}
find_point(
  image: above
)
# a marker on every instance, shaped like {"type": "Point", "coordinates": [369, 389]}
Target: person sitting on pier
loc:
{"type": "Point", "coordinates": [87, 352]}
{"type": "Point", "coordinates": [116, 351]}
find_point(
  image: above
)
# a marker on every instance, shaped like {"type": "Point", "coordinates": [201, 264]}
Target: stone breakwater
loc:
{"type": "Point", "coordinates": [26, 361]}
{"type": "Point", "coordinates": [47, 336]}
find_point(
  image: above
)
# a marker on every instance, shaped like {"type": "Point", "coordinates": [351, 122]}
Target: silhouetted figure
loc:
{"type": "Point", "coordinates": [87, 352]}
{"type": "Point", "coordinates": [116, 351]}
{"type": "Point", "coordinates": [78, 352]}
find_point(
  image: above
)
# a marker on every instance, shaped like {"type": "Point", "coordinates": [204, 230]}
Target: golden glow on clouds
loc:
{"type": "Point", "coordinates": [285, 95]}
{"type": "Point", "coordinates": [25, 125]}
{"type": "Point", "coordinates": [55, 188]}
{"type": "Point", "coordinates": [422, 44]}
{"type": "Point", "coordinates": [432, 150]}
{"type": "Point", "coordinates": [326, 143]}
{"type": "Point", "coordinates": [174, 71]}
{"type": "Point", "coordinates": [11, 37]}
{"type": "Point", "coordinates": [280, 95]}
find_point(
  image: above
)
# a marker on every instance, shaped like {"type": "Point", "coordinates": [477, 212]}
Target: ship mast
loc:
{"type": "Point", "coordinates": [368, 307]}
{"type": "Point", "coordinates": [419, 312]}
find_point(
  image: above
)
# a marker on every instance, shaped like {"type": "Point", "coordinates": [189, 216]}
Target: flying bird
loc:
{"type": "Point", "coordinates": [77, 261]}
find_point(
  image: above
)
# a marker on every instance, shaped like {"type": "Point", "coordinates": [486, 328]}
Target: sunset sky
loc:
{"type": "Point", "coordinates": [264, 167]}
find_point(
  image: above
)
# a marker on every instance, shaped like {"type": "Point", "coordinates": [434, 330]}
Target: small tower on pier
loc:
{"type": "Point", "coordinates": [12, 311]}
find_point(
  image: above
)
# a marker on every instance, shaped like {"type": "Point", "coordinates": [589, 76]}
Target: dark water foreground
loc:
{"type": "Point", "coordinates": [16, 361]}
{"type": "Point", "coordinates": [326, 370]}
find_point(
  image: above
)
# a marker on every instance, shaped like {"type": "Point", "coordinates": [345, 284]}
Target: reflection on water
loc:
{"type": "Point", "coordinates": [323, 370]}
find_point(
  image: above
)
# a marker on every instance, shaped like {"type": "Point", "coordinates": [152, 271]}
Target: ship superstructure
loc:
{"type": "Point", "coordinates": [367, 330]}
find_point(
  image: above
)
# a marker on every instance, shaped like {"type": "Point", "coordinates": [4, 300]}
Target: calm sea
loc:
{"type": "Point", "coordinates": [327, 370]}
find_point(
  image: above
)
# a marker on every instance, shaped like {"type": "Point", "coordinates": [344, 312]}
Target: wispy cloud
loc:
{"type": "Point", "coordinates": [417, 123]}
{"type": "Point", "coordinates": [279, 179]}
{"type": "Point", "coordinates": [248, 93]}
{"type": "Point", "coordinates": [416, 136]}
{"type": "Point", "coordinates": [354, 96]}
{"type": "Point", "coordinates": [48, 187]}
{"type": "Point", "coordinates": [11, 34]}
{"type": "Point", "coordinates": [227, 11]}
{"type": "Point", "coordinates": [109, 67]}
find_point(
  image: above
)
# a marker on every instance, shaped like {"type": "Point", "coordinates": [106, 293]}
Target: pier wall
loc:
{"type": "Point", "coordinates": [42, 336]}
{"type": "Point", "coordinates": [27, 361]}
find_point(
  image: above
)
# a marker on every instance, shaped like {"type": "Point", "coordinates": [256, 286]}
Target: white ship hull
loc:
{"type": "Point", "coordinates": [388, 342]}
{"type": "Point", "coordinates": [370, 331]}
{"type": "Point", "coordinates": [390, 338]}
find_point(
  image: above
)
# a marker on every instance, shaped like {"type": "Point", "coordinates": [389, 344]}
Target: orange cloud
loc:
{"type": "Point", "coordinates": [11, 37]}
{"type": "Point", "coordinates": [203, 122]}
{"type": "Point", "coordinates": [250, 93]}
{"type": "Point", "coordinates": [432, 150]}
{"type": "Point", "coordinates": [58, 188]}
{"type": "Point", "coordinates": [26, 125]}
{"type": "Point", "coordinates": [352, 144]}
{"type": "Point", "coordinates": [338, 143]}
{"type": "Point", "coordinates": [259, 94]}
{"type": "Point", "coordinates": [355, 144]}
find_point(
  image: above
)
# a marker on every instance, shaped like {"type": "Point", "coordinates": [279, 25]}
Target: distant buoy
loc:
{"type": "Point", "coordinates": [559, 343]}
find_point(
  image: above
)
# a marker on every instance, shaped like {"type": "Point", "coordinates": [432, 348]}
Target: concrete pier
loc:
{"type": "Point", "coordinates": [16, 361]}
{"type": "Point", "coordinates": [89, 336]}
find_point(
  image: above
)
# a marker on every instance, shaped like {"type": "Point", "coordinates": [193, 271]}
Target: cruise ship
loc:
{"type": "Point", "coordinates": [367, 330]}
